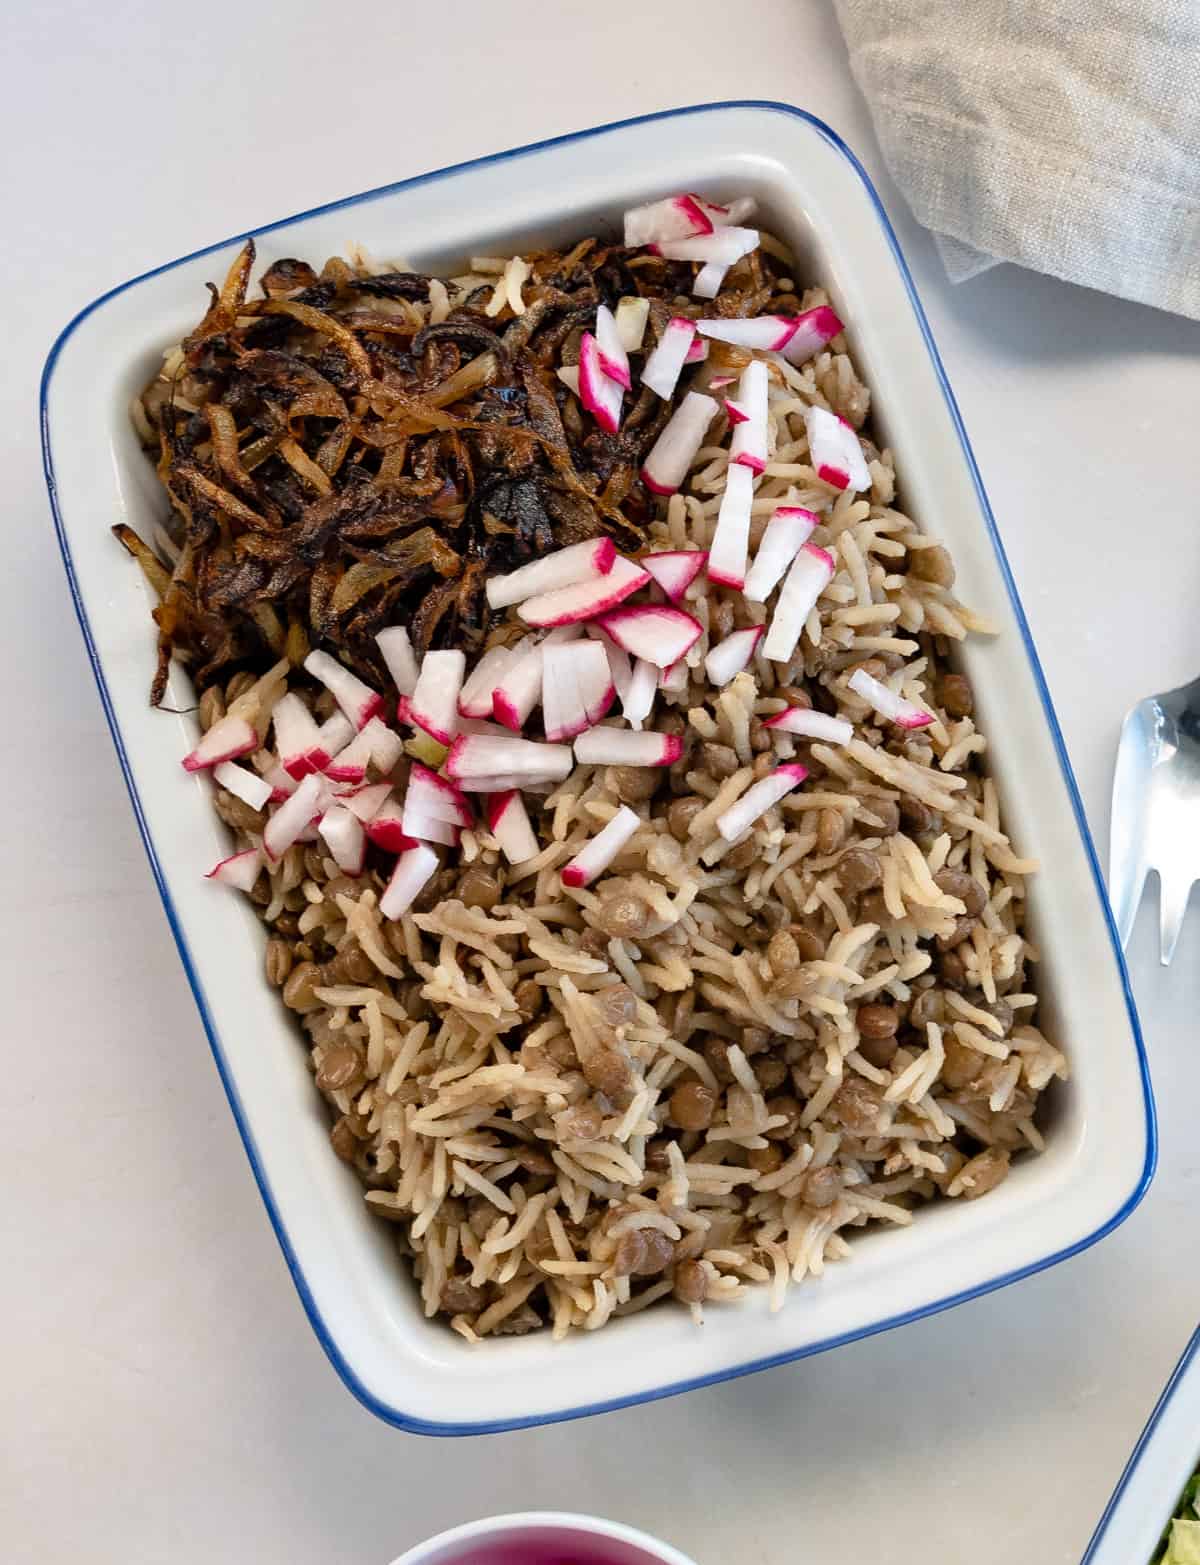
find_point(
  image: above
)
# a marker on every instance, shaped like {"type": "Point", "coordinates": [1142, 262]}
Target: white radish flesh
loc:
{"type": "Point", "coordinates": [386, 828]}
{"type": "Point", "coordinates": [434, 703]}
{"type": "Point", "coordinates": [283, 784]}
{"type": "Point", "coordinates": [788, 530]}
{"type": "Point", "coordinates": [357, 700]}
{"type": "Point", "coordinates": [396, 650]}
{"type": "Point", "coordinates": [334, 734]}
{"type": "Point", "coordinates": [508, 822]}
{"type": "Point", "coordinates": [643, 687]}
{"type": "Point", "coordinates": [662, 369]}
{"type": "Point", "coordinates": [806, 724]}
{"type": "Point", "coordinates": [519, 690]}
{"type": "Point", "coordinates": [577, 689]}
{"type": "Point", "coordinates": [729, 657]}
{"type": "Point", "coordinates": [758, 799]}
{"type": "Point", "coordinates": [600, 395]}
{"type": "Point", "coordinates": [240, 870]}
{"type": "Point", "coordinates": [709, 279]}
{"type": "Point", "coordinates": [808, 577]}
{"type": "Point", "coordinates": [293, 816]}
{"type": "Point", "coordinates": [813, 329]}
{"type": "Point", "coordinates": [586, 599]}
{"type": "Point", "coordinates": [479, 687]}
{"type": "Point", "coordinates": [366, 802]}
{"type": "Point", "coordinates": [297, 742]}
{"type": "Point", "coordinates": [674, 680]}
{"type": "Point", "coordinates": [724, 246]}
{"type": "Point", "coordinates": [666, 465]}
{"type": "Point", "coordinates": [593, 859]}
{"type": "Point", "coordinates": [675, 569]}
{"type": "Point", "coordinates": [479, 755]}
{"type": "Point", "coordinates": [886, 702]}
{"type": "Point", "coordinates": [768, 333]}
{"type": "Point", "coordinates": [437, 796]}
{"type": "Point", "coordinates": [228, 738]}
{"type": "Point", "coordinates": [420, 824]}
{"type": "Point", "coordinates": [654, 631]}
{"type": "Point", "coordinates": [620, 669]}
{"type": "Point", "coordinates": [748, 447]}
{"type": "Point", "coordinates": [614, 361]}
{"type": "Point", "coordinates": [623, 747]}
{"type": "Point", "coordinates": [506, 782]}
{"type": "Point", "coordinates": [342, 833]}
{"type": "Point", "coordinates": [731, 538]}
{"type": "Point", "coordinates": [244, 784]}
{"type": "Point", "coordinates": [677, 217]}
{"type": "Point", "coordinates": [409, 878]}
{"type": "Point", "coordinates": [632, 314]}
{"type": "Point", "coordinates": [561, 568]}
{"type": "Point", "coordinates": [834, 451]}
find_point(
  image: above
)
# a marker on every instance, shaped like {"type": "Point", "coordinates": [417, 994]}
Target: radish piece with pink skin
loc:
{"type": "Point", "coordinates": [709, 279]}
{"type": "Point", "coordinates": [724, 246]}
{"type": "Point", "coordinates": [357, 700]}
{"type": "Point", "coordinates": [585, 599]}
{"type": "Point", "coordinates": [386, 828]}
{"type": "Point", "coordinates": [508, 822]}
{"type": "Point", "coordinates": [806, 724]}
{"type": "Point", "coordinates": [600, 395]}
{"type": "Point", "coordinates": [731, 539]}
{"type": "Point", "coordinates": [886, 702]}
{"type": "Point", "coordinates": [667, 462]}
{"type": "Point", "coordinates": [396, 650]}
{"type": "Point", "coordinates": [614, 361]}
{"type": "Point", "coordinates": [437, 796]}
{"type": "Point", "coordinates": [632, 314]}
{"type": "Point", "coordinates": [243, 784]}
{"type": "Point", "coordinates": [479, 755]}
{"type": "Point", "coordinates": [813, 330]}
{"type": "Point", "coordinates": [718, 381]}
{"type": "Point", "coordinates": [228, 738]}
{"type": "Point", "coordinates": [785, 534]}
{"type": "Point", "coordinates": [418, 822]}
{"type": "Point", "coordinates": [662, 369]}
{"type": "Point", "coordinates": [283, 784]}
{"type": "Point", "coordinates": [334, 734]}
{"type": "Point", "coordinates": [560, 568]}
{"type": "Point", "coordinates": [749, 444]}
{"type": "Point", "coordinates": [506, 782]}
{"type": "Point", "coordinates": [736, 212]}
{"type": "Point", "coordinates": [654, 631]}
{"type": "Point", "coordinates": [342, 833]}
{"type": "Point", "coordinates": [293, 816]}
{"type": "Point", "coordinates": [479, 687]}
{"type": "Point", "coordinates": [433, 705]}
{"type": "Point", "coordinates": [412, 873]}
{"type": "Point", "coordinates": [366, 802]}
{"type": "Point", "coordinates": [297, 737]}
{"type": "Point", "coordinates": [577, 688]}
{"type": "Point", "coordinates": [808, 577]}
{"type": "Point", "coordinates": [729, 657]}
{"type": "Point", "coordinates": [735, 413]}
{"type": "Point", "coordinates": [350, 764]}
{"type": "Point", "coordinates": [620, 669]}
{"type": "Point", "coordinates": [239, 870]}
{"type": "Point", "coordinates": [835, 452]}
{"type": "Point", "coordinates": [676, 217]}
{"type": "Point", "coordinates": [595, 857]}
{"type": "Point", "coordinates": [759, 798]}
{"type": "Point", "coordinates": [697, 353]}
{"type": "Point", "coordinates": [638, 702]}
{"type": "Point", "coordinates": [623, 747]}
{"type": "Point", "coordinates": [767, 333]}
{"type": "Point", "coordinates": [675, 569]}
{"type": "Point", "coordinates": [674, 680]}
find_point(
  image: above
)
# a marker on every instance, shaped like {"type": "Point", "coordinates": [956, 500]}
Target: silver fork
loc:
{"type": "Point", "coordinates": [1156, 811]}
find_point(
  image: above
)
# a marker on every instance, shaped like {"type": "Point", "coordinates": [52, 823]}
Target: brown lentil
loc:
{"type": "Point", "coordinates": [691, 1282]}
{"type": "Point", "coordinates": [957, 697]}
{"type": "Point", "coordinates": [692, 1106]}
{"type": "Point", "coordinates": [859, 870]}
{"type": "Point", "coordinates": [278, 961]}
{"type": "Point", "coordinates": [340, 1068]}
{"type": "Point", "coordinates": [298, 992]}
{"type": "Point", "coordinates": [478, 887]}
{"type": "Point", "coordinates": [635, 784]}
{"type": "Point", "coordinates": [682, 813]}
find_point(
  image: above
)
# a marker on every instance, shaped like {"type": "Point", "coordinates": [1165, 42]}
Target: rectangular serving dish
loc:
{"type": "Point", "coordinates": [361, 1302]}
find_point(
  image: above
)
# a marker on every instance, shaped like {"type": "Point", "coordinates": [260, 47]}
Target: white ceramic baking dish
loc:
{"type": "Point", "coordinates": [362, 1304]}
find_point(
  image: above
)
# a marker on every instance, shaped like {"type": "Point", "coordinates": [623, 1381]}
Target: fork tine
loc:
{"type": "Point", "coordinates": [1173, 894]}
{"type": "Point", "coordinates": [1127, 871]}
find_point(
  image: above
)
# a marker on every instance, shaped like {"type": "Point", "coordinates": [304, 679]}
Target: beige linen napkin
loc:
{"type": "Point", "coordinates": [1060, 134]}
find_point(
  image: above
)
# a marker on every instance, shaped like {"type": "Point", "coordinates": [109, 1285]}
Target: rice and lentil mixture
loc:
{"type": "Point", "coordinates": [708, 1069]}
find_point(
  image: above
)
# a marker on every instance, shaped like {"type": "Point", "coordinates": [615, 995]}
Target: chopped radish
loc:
{"type": "Point", "coordinates": [717, 381]}
{"type": "Point", "coordinates": [584, 599]}
{"type": "Point", "coordinates": [244, 784]}
{"type": "Point", "coordinates": [769, 333]}
{"type": "Point", "coordinates": [404, 711]}
{"type": "Point", "coordinates": [434, 703]}
{"type": "Point", "coordinates": [723, 245]}
{"type": "Point", "coordinates": [519, 690]}
{"type": "Point", "coordinates": [623, 747]}
{"type": "Point", "coordinates": [812, 331]}
{"type": "Point", "coordinates": [375, 744]}
{"type": "Point", "coordinates": [808, 577]}
{"type": "Point", "coordinates": [569, 375]}
{"type": "Point", "coordinates": [359, 702]}
{"type": "Point", "coordinates": [437, 796]}
{"type": "Point", "coordinates": [418, 823]}
{"type": "Point", "coordinates": [561, 568]}
{"type": "Point", "coordinates": [479, 755]}
{"type": "Point", "coordinates": [413, 870]}
{"type": "Point", "coordinates": [759, 798]}
{"type": "Point", "coordinates": [283, 784]}
{"type": "Point", "coordinates": [697, 353]}
{"type": "Point", "coordinates": [638, 702]}
{"type": "Point", "coordinates": [508, 822]}
{"type": "Point", "coordinates": [834, 451]}
{"type": "Point", "coordinates": [240, 870]}
{"type": "Point", "coordinates": [807, 724]}
{"type": "Point", "coordinates": [614, 360]}
{"type": "Point", "coordinates": [678, 217]}
{"type": "Point", "coordinates": [661, 370]}
{"type": "Point", "coordinates": [475, 697]}
{"type": "Point", "coordinates": [506, 782]}
{"type": "Point", "coordinates": [729, 657]}
{"type": "Point", "coordinates": [620, 670]}
{"type": "Point", "coordinates": [228, 738]}
{"type": "Point", "coordinates": [335, 733]}
{"type": "Point", "coordinates": [342, 833]}
{"type": "Point", "coordinates": [886, 702]}
{"type": "Point", "coordinates": [600, 395]}
{"type": "Point", "coordinates": [674, 680]}
{"type": "Point", "coordinates": [396, 650]}
{"type": "Point", "coordinates": [293, 816]}
{"type": "Point", "coordinates": [598, 854]}
{"type": "Point", "coordinates": [735, 412]}
{"type": "Point", "coordinates": [297, 737]}
{"type": "Point", "coordinates": [731, 538]}
{"type": "Point", "coordinates": [789, 528]}
{"type": "Point", "coordinates": [749, 444]}
{"type": "Point", "coordinates": [656, 632]}
{"type": "Point", "coordinates": [736, 212]}
{"type": "Point", "coordinates": [668, 460]}
{"type": "Point", "coordinates": [632, 315]}
{"type": "Point", "coordinates": [386, 828]}
{"type": "Point", "coordinates": [577, 689]}
{"type": "Point", "coordinates": [675, 569]}
{"type": "Point", "coordinates": [366, 802]}
{"type": "Point", "coordinates": [709, 279]}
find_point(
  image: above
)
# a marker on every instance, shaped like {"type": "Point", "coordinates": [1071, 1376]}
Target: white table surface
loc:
{"type": "Point", "coordinates": [163, 1396]}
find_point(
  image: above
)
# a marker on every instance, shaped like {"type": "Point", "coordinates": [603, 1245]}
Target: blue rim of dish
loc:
{"type": "Point", "coordinates": [383, 1410]}
{"type": "Point", "coordinates": [1139, 1450]}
